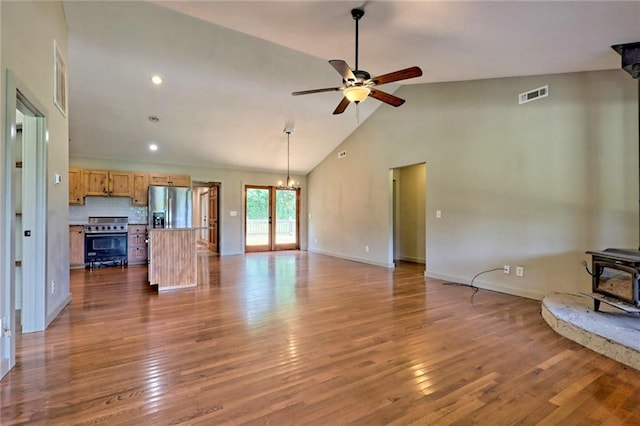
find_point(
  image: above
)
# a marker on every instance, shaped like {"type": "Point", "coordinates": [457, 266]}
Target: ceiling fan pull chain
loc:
{"type": "Point", "coordinates": [358, 112]}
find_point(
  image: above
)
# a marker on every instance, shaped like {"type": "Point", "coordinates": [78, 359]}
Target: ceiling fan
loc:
{"type": "Point", "coordinates": [357, 84]}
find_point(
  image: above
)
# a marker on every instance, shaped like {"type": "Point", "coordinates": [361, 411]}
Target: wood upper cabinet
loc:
{"type": "Point", "coordinates": [169, 180]}
{"type": "Point", "coordinates": [121, 184]}
{"type": "Point", "coordinates": [76, 194]}
{"type": "Point", "coordinates": [140, 189]}
{"type": "Point", "coordinates": [76, 246]}
{"type": "Point", "coordinates": [108, 184]}
{"type": "Point", "coordinates": [96, 182]}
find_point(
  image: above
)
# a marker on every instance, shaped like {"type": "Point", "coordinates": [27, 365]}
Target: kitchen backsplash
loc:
{"type": "Point", "coordinates": [107, 206]}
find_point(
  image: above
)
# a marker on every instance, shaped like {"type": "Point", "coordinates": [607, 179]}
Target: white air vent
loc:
{"type": "Point", "coordinates": [342, 154]}
{"type": "Point", "coordinates": [540, 92]}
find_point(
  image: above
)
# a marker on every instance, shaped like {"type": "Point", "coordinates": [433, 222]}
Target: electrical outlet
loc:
{"type": "Point", "coordinates": [507, 269]}
{"type": "Point", "coordinates": [438, 214]}
{"type": "Point", "coordinates": [520, 271]}
{"type": "Point", "coordinates": [315, 241]}
{"type": "Point", "coordinates": [53, 286]}
{"type": "Point", "coordinates": [366, 248]}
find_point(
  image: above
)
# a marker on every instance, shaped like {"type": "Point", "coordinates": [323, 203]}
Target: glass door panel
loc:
{"type": "Point", "coordinates": [258, 219]}
{"type": "Point", "coordinates": [286, 223]}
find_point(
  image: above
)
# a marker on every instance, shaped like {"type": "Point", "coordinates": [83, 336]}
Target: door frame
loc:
{"type": "Point", "coordinates": [33, 307]}
{"type": "Point", "coordinates": [272, 245]}
{"type": "Point", "coordinates": [296, 244]}
{"type": "Point", "coordinates": [214, 217]}
{"type": "Point", "coordinates": [264, 247]}
{"type": "Point", "coordinates": [200, 187]}
{"type": "Point", "coordinates": [203, 218]}
{"type": "Point", "coordinates": [395, 218]}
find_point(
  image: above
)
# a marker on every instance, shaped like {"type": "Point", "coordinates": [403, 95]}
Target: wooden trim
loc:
{"type": "Point", "coordinates": [272, 245]}
{"type": "Point", "coordinates": [296, 245]}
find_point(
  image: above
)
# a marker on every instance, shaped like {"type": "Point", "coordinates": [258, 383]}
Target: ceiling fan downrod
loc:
{"type": "Point", "coordinates": [357, 14]}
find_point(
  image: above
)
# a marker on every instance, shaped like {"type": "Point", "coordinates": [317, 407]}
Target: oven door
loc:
{"type": "Point", "coordinates": [105, 247]}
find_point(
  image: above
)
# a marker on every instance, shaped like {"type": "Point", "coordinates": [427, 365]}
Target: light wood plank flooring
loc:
{"type": "Point", "coordinates": [299, 338]}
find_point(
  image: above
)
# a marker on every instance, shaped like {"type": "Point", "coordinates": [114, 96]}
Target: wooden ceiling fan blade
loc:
{"type": "Point", "coordinates": [343, 69]}
{"type": "Point", "coordinates": [307, 92]}
{"type": "Point", "coordinates": [344, 103]}
{"type": "Point", "coordinates": [386, 97]}
{"type": "Point", "coordinates": [404, 74]}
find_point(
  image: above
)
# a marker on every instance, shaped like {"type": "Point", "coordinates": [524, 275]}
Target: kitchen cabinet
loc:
{"type": "Point", "coordinates": [121, 184]}
{"type": "Point", "coordinates": [140, 189]}
{"type": "Point", "coordinates": [76, 246]}
{"type": "Point", "coordinates": [107, 183]}
{"type": "Point", "coordinates": [137, 249]}
{"type": "Point", "coordinates": [76, 192]}
{"type": "Point", "coordinates": [169, 180]}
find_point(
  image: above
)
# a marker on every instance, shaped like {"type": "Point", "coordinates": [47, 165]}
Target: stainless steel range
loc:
{"type": "Point", "coordinates": [105, 241]}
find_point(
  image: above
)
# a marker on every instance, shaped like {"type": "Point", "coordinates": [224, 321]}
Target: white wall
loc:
{"type": "Point", "coordinates": [108, 206]}
{"type": "Point", "coordinates": [534, 185]}
{"type": "Point", "coordinates": [231, 196]}
{"type": "Point", "coordinates": [28, 31]}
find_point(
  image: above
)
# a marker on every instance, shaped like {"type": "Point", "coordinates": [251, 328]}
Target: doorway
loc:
{"type": "Point", "coordinates": [213, 209]}
{"type": "Point", "coordinates": [272, 218]}
{"type": "Point", "coordinates": [409, 213]}
{"type": "Point", "coordinates": [206, 212]}
{"type": "Point", "coordinates": [23, 291]}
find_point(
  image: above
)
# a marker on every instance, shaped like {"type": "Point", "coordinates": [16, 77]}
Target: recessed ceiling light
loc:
{"type": "Point", "coordinates": [153, 147]}
{"type": "Point", "coordinates": [156, 79]}
{"type": "Point", "coordinates": [153, 119]}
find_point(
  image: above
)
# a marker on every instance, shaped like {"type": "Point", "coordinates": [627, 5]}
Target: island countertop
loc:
{"type": "Point", "coordinates": [191, 228]}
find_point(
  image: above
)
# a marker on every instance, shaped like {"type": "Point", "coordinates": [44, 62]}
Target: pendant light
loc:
{"type": "Point", "coordinates": [289, 183]}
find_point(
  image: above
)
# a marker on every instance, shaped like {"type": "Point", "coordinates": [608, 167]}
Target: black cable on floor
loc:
{"type": "Point", "coordinates": [475, 289]}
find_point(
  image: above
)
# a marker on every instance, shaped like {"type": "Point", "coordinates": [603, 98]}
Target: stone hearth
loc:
{"type": "Point", "coordinates": [610, 332]}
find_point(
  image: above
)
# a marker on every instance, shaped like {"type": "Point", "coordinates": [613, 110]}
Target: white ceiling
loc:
{"type": "Point", "coordinates": [229, 68]}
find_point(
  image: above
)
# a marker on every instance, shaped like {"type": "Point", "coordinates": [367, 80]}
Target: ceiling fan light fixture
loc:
{"type": "Point", "coordinates": [356, 94]}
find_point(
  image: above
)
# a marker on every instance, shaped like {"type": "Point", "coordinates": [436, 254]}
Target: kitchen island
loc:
{"type": "Point", "coordinates": [173, 258]}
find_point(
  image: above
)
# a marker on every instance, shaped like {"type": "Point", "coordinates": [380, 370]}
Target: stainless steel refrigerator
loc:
{"type": "Point", "coordinates": [170, 207]}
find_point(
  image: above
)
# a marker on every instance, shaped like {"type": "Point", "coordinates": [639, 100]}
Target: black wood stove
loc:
{"type": "Point", "coordinates": [615, 272]}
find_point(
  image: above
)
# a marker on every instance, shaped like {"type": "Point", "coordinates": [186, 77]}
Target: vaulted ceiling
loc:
{"type": "Point", "coordinates": [229, 68]}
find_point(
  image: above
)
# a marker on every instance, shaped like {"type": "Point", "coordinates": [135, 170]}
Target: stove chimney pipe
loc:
{"type": "Point", "coordinates": [630, 53]}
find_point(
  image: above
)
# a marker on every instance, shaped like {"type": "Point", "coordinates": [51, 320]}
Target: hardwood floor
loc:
{"type": "Point", "coordinates": [300, 338]}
